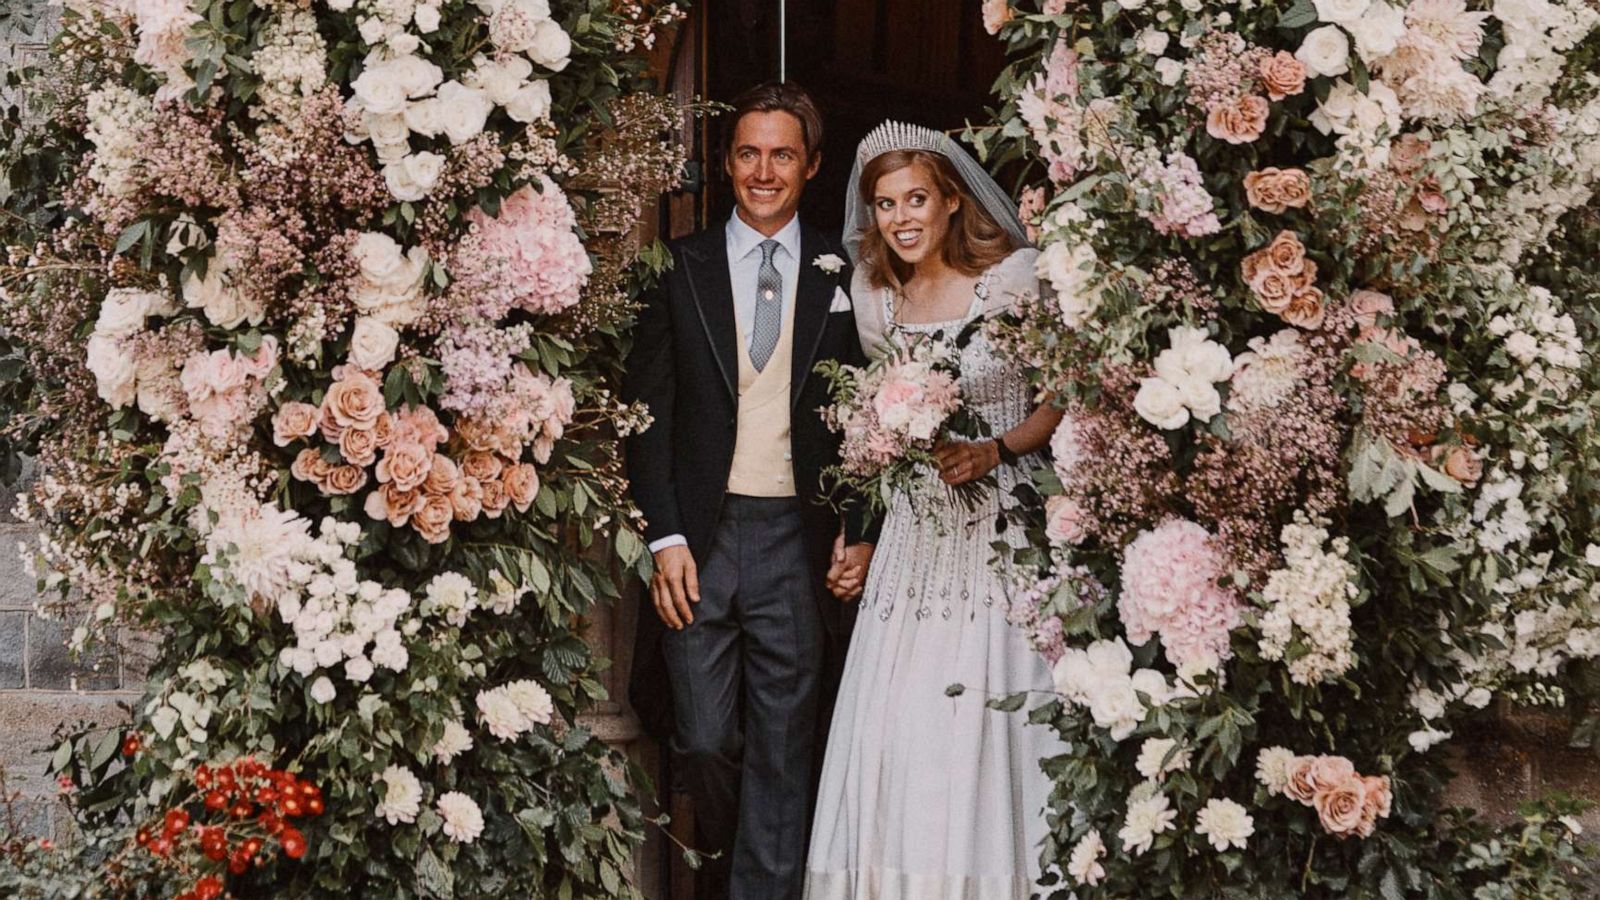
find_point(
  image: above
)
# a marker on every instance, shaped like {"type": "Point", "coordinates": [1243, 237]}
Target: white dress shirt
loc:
{"type": "Point", "coordinates": [744, 267]}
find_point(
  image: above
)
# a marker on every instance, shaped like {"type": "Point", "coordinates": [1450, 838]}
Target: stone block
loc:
{"type": "Point", "coordinates": [18, 589]}
{"type": "Point", "coordinates": [13, 649]}
{"type": "Point", "coordinates": [52, 667]}
{"type": "Point", "coordinates": [10, 492]}
{"type": "Point", "coordinates": [28, 725]}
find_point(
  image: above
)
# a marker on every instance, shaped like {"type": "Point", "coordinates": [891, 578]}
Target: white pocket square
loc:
{"type": "Point", "coordinates": [841, 301]}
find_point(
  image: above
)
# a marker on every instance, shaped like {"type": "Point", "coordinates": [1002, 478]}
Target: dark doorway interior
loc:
{"type": "Point", "coordinates": [923, 61]}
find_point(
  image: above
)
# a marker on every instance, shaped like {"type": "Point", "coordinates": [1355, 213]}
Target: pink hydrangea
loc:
{"type": "Point", "coordinates": [1171, 589]}
{"type": "Point", "coordinates": [224, 389]}
{"type": "Point", "coordinates": [1182, 205]}
{"type": "Point", "coordinates": [528, 256]}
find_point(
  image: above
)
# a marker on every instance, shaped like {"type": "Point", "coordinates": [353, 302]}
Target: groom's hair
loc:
{"type": "Point", "coordinates": [778, 96]}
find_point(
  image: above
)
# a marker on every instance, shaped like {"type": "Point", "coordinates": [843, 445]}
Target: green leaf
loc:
{"type": "Point", "coordinates": [1301, 14]}
{"type": "Point", "coordinates": [434, 876]}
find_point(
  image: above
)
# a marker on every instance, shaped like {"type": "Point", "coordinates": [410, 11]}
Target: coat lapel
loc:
{"type": "Point", "coordinates": [707, 273]}
{"type": "Point", "coordinates": [813, 296]}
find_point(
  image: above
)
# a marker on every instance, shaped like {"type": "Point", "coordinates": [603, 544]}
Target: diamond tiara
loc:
{"type": "Point", "coordinates": [892, 135]}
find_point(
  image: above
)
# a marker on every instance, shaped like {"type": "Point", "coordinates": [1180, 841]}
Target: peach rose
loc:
{"type": "Point", "coordinates": [467, 499]}
{"type": "Point", "coordinates": [482, 465]}
{"type": "Point", "coordinates": [495, 498]}
{"type": "Point", "coordinates": [1462, 464]}
{"type": "Point", "coordinates": [996, 13]}
{"type": "Point", "coordinates": [1274, 290]}
{"type": "Point", "coordinates": [1306, 310]}
{"type": "Point", "coordinates": [432, 518]}
{"type": "Point", "coordinates": [1286, 252]}
{"type": "Point", "coordinates": [522, 484]}
{"type": "Point", "coordinates": [1408, 153]}
{"type": "Point", "coordinates": [1306, 278]}
{"type": "Point", "coordinates": [420, 425]}
{"type": "Point", "coordinates": [310, 466]}
{"type": "Point", "coordinates": [1300, 784]}
{"type": "Point", "coordinates": [331, 429]}
{"type": "Point", "coordinates": [392, 504]}
{"type": "Point", "coordinates": [354, 400]}
{"type": "Point", "coordinates": [343, 480]}
{"type": "Point", "coordinates": [1331, 771]}
{"type": "Point", "coordinates": [1274, 190]}
{"type": "Point", "coordinates": [1340, 807]}
{"type": "Point", "coordinates": [1380, 802]}
{"type": "Point", "coordinates": [442, 476]}
{"type": "Point", "coordinates": [475, 434]}
{"type": "Point", "coordinates": [1282, 75]}
{"type": "Point", "coordinates": [1368, 305]}
{"type": "Point", "coordinates": [358, 446]}
{"type": "Point", "coordinates": [406, 465]}
{"type": "Point", "coordinates": [383, 430]}
{"type": "Point", "coordinates": [1240, 122]}
{"type": "Point", "coordinates": [293, 421]}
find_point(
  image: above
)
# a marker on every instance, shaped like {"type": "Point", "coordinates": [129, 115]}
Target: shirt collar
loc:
{"type": "Point", "coordinates": [743, 240]}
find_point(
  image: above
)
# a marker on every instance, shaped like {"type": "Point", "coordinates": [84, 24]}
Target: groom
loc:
{"type": "Point", "coordinates": [728, 477]}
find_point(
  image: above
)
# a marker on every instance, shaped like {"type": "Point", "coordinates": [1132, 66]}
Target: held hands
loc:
{"type": "Point", "coordinates": [848, 573]}
{"type": "Point", "coordinates": [675, 585]}
{"type": "Point", "coordinates": [964, 461]}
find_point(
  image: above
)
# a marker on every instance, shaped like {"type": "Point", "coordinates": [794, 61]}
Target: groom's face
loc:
{"type": "Point", "coordinates": [769, 167]}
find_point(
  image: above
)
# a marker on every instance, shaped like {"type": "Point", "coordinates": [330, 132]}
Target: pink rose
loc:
{"type": "Point", "coordinates": [495, 498]}
{"type": "Point", "coordinates": [310, 466]}
{"type": "Point", "coordinates": [294, 421]}
{"type": "Point", "coordinates": [432, 518]}
{"type": "Point", "coordinates": [1340, 807]}
{"type": "Point", "coordinates": [481, 465]}
{"type": "Point", "coordinates": [354, 400]}
{"type": "Point", "coordinates": [996, 13]}
{"type": "Point", "coordinates": [442, 476]}
{"type": "Point", "coordinates": [1063, 520]}
{"type": "Point", "coordinates": [1408, 153]}
{"type": "Point", "coordinates": [394, 505]}
{"type": "Point", "coordinates": [522, 484]}
{"type": "Point", "coordinates": [260, 364]}
{"type": "Point", "coordinates": [1461, 464]}
{"type": "Point", "coordinates": [1300, 784]}
{"type": "Point", "coordinates": [1379, 803]}
{"type": "Point", "coordinates": [1274, 290]}
{"type": "Point", "coordinates": [1306, 310]}
{"type": "Point", "coordinates": [1282, 75]}
{"type": "Point", "coordinates": [1368, 305]}
{"type": "Point", "coordinates": [466, 500]}
{"type": "Point", "coordinates": [1274, 190]}
{"type": "Point", "coordinates": [1330, 771]}
{"type": "Point", "coordinates": [358, 446]}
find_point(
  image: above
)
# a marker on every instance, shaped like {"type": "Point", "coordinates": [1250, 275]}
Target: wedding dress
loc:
{"type": "Point", "coordinates": [926, 796]}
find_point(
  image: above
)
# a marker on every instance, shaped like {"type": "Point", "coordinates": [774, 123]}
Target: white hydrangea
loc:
{"type": "Point", "coordinates": [117, 115]}
{"type": "Point", "coordinates": [402, 796]}
{"type": "Point", "coordinates": [1308, 604]}
{"type": "Point", "coordinates": [1269, 372]}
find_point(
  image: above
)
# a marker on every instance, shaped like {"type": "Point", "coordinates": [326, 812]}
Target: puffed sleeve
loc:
{"type": "Point", "coordinates": [871, 325]}
{"type": "Point", "coordinates": [1011, 280]}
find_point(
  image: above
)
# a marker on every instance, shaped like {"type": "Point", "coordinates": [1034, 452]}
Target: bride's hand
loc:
{"type": "Point", "coordinates": [964, 461]}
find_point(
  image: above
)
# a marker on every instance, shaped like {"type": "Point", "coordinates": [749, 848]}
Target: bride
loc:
{"type": "Point", "coordinates": [925, 796]}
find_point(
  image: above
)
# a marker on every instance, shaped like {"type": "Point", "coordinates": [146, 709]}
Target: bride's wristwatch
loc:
{"type": "Point", "coordinates": [1007, 455]}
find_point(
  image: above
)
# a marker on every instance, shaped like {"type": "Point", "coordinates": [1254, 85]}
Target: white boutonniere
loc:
{"type": "Point", "coordinates": [829, 262]}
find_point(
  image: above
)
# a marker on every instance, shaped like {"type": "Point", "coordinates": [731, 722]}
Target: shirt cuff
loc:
{"type": "Point", "coordinates": [671, 540]}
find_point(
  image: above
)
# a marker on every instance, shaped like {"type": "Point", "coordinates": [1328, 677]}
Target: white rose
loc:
{"type": "Point", "coordinates": [114, 370]}
{"type": "Point", "coordinates": [322, 690]}
{"type": "Point", "coordinates": [224, 305]}
{"type": "Point", "coordinates": [379, 256]}
{"type": "Point", "coordinates": [358, 669]}
{"type": "Point", "coordinates": [1342, 12]}
{"type": "Point", "coordinates": [1378, 32]}
{"type": "Point", "coordinates": [373, 344]}
{"type": "Point", "coordinates": [1169, 70]}
{"type": "Point", "coordinates": [425, 117]}
{"type": "Point", "coordinates": [1197, 354]}
{"type": "Point", "coordinates": [392, 152]}
{"type": "Point", "coordinates": [410, 179]}
{"type": "Point", "coordinates": [1131, 4]}
{"type": "Point", "coordinates": [380, 90]}
{"type": "Point", "coordinates": [531, 103]}
{"type": "Point", "coordinates": [373, 30]}
{"type": "Point", "coordinates": [1153, 685]}
{"type": "Point", "coordinates": [1325, 52]}
{"type": "Point", "coordinates": [552, 47]}
{"type": "Point", "coordinates": [1477, 698]}
{"type": "Point", "coordinates": [416, 75]}
{"type": "Point", "coordinates": [1069, 267]}
{"type": "Point", "coordinates": [1116, 708]}
{"type": "Point", "coordinates": [1161, 404]}
{"type": "Point", "coordinates": [501, 80]}
{"type": "Point", "coordinates": [1201, 398]}
{"type": "Point", "coordinates": [464, 110]}
{"type": "Point", "coordinates": [427, 19]}
{"type": "Point", "coordinates": [124, 310]}
{"type": "Point", "coordinates": [1111, 656]}
{"type": "Point", "coordinates": [404, 44]}
{"type": "Point", "coordinates": [1153, 41]}
{"type": "Point", "coordinates": [388, 129]}
{"type": "Point", "coordinates": [1422, 741]}
{"type": "Point", "coordinates": [1074, 675]}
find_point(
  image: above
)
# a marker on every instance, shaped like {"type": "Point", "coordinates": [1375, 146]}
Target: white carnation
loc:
{"type": "Point", "coordinates": [1342, 12]}
{"type": "Point", "coordinates": [1272, 768]}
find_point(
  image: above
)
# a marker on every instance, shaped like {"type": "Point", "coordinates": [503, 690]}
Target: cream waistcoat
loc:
{"type": "Point", "coordinates": [762, 461]}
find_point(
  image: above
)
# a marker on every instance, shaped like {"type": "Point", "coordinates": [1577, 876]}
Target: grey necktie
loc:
{"type": "Point", "coordinates": [769, 308]}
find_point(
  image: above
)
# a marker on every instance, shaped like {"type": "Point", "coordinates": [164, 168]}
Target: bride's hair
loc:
{"type": "Point", "coordinates": [974, 242]}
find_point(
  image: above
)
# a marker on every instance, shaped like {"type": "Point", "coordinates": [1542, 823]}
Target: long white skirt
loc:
{"type": "Point", "coordinates": [926, 796]}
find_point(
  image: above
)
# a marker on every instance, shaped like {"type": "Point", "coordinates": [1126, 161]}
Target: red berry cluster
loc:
{"type": "Point", "coordinates": [256, 803]}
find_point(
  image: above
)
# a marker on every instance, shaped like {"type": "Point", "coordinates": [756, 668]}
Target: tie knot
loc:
{"type": "Point", "coordinates": [768, 247]}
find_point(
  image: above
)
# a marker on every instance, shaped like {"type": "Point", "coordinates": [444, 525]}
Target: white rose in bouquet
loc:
{"type": "Point", "coordinates": [1325, 52]}
{"type": "Point", "coordinates": [124, 310]}
{"type": "Point", "coordinates": [373, 343]}
{"type": "Point", "coordinates": [1161, 404]}
{"type": "Point", "coordinates": [552, 46]}
{"type": "Point", "coordinates": [389, 129]}
{"type": "Point", "coordinates": [1378, 32]}
{"type": "Point", "coordinates": [413, 177]}
{"type": "Point", "coordinates": [464, 111]}
{"type": "Point", "coordinates": [1201, 398]}
{"type": "Point", "coordinates": [500, 79]}
{"type": "Point", "coordinates": [1349, 112]}
{"type": "Point", "coordinates": [1069, 267]}
{"type": "Point", "coordinates": [1116, 707]}
{"type": "Point", "coordinates": [416, 75]}
{"type": "Point", "coordinates": [531, 103]}
{"type": "Point", "coordinates": [381, 90]}
{"type": "Point", "coordinates": [114, 370]}
{"type": "Point", "coordinates": [1341, 12]}
{"type": "Point", "coordinates": [424, 117]}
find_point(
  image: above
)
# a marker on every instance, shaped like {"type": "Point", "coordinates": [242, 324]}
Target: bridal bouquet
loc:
{"type": "Point", "coordinates": [893, 413]}
{"type": "Point", "coordinates": [1329, 449]}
